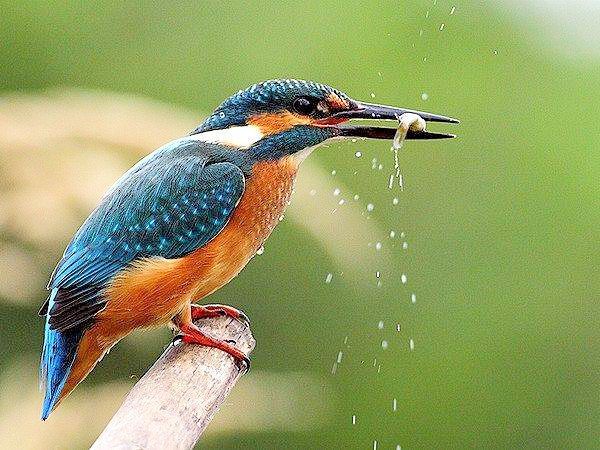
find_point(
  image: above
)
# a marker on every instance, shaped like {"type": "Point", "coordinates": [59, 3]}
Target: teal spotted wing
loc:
{"type": "Point", "coordinates": [168, 205]}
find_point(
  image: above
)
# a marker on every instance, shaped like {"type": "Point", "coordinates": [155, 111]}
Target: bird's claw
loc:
{"type": "Point", "coordinates": [208, 311]}
{"type": "Point", "coordinates": [243, 364]}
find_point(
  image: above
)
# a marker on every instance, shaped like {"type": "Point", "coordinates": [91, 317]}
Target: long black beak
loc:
{"type": "Point", "coordinates": [381, 112]}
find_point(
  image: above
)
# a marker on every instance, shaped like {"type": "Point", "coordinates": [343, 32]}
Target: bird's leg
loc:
{"type": "Point", "coordinates": [209, 311]}
{"type": "Point", "coordinates": [191, 334]}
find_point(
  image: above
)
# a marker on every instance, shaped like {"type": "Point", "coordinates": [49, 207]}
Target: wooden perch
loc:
{"type": "Point", "coordinates": [175, 400]}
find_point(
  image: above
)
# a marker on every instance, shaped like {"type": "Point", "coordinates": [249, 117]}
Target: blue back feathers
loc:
{"type": "Point", "coordinates": [171, 203]}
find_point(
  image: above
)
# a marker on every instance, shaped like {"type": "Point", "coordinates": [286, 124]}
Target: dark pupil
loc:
{"type": "Point", "coordinates": [303, 105]}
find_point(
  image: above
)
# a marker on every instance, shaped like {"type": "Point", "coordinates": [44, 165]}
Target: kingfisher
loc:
{"type": "Point", "coordinates": [187, 218]}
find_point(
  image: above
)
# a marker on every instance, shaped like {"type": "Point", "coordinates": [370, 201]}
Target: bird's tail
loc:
{"type": "Point", "coordinates": [58, 356]}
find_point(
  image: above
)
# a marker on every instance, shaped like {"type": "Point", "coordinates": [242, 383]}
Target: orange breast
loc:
{"type": "Point", "coordinates": [152, 291]}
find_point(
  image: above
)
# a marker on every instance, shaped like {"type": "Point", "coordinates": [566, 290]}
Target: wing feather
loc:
{"type": "Point", "coordinates": [167, 205]}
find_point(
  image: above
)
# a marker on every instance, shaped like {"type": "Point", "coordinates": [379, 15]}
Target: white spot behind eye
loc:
{"type": "Point", "coordinates": [240, 137]}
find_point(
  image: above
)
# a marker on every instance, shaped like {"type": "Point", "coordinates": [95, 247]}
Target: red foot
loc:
{"type": "Point", "coordinates": [209, 311]}
{"type": "Point", "coordinates": [192, 335]}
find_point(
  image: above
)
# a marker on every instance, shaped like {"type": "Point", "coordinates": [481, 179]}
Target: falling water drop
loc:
{"type": "Point", "coordinates": [378, 246]}
{"type": "Point", "coordinates": [403, 278]}
{"type": "Point", "coordinates": [384, 345]}
{"type": "Point", "coordinates": [261, 250]}
{"type": "Point", "coordinates": [395, 201]}
{"type": "Point", "coordinates": [411, 344]}
{"type": "Point", "coordinates": [413, 298]}
{"type": "Point", "coordinates": [392, 234]}
{"type": "Point", "coordinates": [358, 154]}
{"type": "Point", "coordinates": [452, 10]}
{"type": "Point", "coordinates": [380, 325]}
{"type": "Point", "coordinates": [336, 192]}
{"type": "Point", "coordinates": [370, 207]}
{"type": "Point", "coordinates": [424, 96]}
{"type": "Point", "coordinates": [328, 278]}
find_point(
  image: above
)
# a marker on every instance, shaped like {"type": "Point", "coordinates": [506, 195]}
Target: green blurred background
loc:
{"type": "Point", "coordinates": [501, 224]}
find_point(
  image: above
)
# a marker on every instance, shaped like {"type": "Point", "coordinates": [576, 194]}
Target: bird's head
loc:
{"type": "Point", "coordinates": [277, 118]}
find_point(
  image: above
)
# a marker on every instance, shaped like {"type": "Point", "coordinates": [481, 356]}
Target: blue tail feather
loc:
{"type": "Point", "coordinates": [58, 355]}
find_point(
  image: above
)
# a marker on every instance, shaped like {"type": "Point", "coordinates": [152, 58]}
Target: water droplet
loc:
{"type": "Point", "coordinates": [452, 10]}
{"type": "Point", "coordinates": [377, 274]}
{"type": "Point", "coordinates": [405, 245]}
{"type": "Point", "coordinates": [372, 94]}
{"type": "Point", "coordinates": [391, 182]}
{"type": "Point", "coordinates": [313, 192]}
{"type": "Point", "coordinates": [354, 140]}
{"type": "Point", "coordinates": [411, 345]}
{"type": "Point", "coordinates": [380, 325]}
{"type": "Point", "coordinates": [261, 250]}
{"type": "Point", "coordinates": [392, 234]}
{"type": "Point", "coordinates": [356, 197]}
{"type": "Point", "coordinates": [384, 345]}
{"type": "Point", "coordinates": [380, 166]}
{"type": "Point", "coordinates": [394, 405]}
{"type": "Point", "coordinates": [358, 154]}
{"type": "Point", "coordinates": [333, 172]}
{"type": "Point", "coordinates": [424, 96]}
{"type": "Point", "coordinates": [378, 246]}
{"type": "Point", "coordinates": [336, 192]}
{"type": "Point", "coordinates": [421, 32]}
{"type": "Point", "coordinates": [370, 207]}
{"type": "Point", "coordinates": [442, 26]}
{"type": "Point", "coordinates": [334, 368]}
{"type": "Point", "coordinates": [403, 234]}
{"type": "Point", "coordinates": [398, 327]}
{"type": "Point", "coordinates": [395, 201]}
{"type": "Point", "coordinates": [339, 357]}
{"type": "Point", "coordinates": [403, 278]}
{"type": "Point", "coordinates": [374, 445]}
{"type": "Point", "coordinates": [495, 52]}
{"type": "Point", "coordinates": [413, 298]}
{"type": "Point", "coordinates": [353, 419]}
{"type": "Point", "coordinates": [328, 278]}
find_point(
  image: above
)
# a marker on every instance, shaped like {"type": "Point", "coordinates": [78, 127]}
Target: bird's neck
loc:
{"type": "Point", "coordinates": [298, 141]}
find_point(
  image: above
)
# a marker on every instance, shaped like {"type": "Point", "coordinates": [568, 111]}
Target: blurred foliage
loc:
{"type": "Point", "coordinates": [501, 223]}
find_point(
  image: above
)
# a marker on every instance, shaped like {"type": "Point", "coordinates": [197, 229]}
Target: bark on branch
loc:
{"type": "Point", "coordinates": [175, 400]}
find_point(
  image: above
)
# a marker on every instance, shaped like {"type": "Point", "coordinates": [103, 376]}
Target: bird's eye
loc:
{"type": "Point", "coordinates": [303, 105]}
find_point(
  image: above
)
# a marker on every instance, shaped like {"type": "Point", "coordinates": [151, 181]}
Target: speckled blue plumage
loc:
{"type": "Point", "coordinates": [268, 96]}
{"type": "Point", "coordinates": [170, 203]}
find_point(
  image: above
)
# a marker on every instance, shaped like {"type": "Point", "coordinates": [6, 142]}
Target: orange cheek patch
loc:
{"type": "Point", "coordinates": [336, 102]}
{"type": "Point", "coordinates": [273, 123]}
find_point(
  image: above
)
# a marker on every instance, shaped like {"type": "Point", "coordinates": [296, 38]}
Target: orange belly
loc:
{"type": "Point", "coordinates": [154, 290]}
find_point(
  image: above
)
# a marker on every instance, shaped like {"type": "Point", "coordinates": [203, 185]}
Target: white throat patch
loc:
{"type": "Point", "coordinates": [239, 137]}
